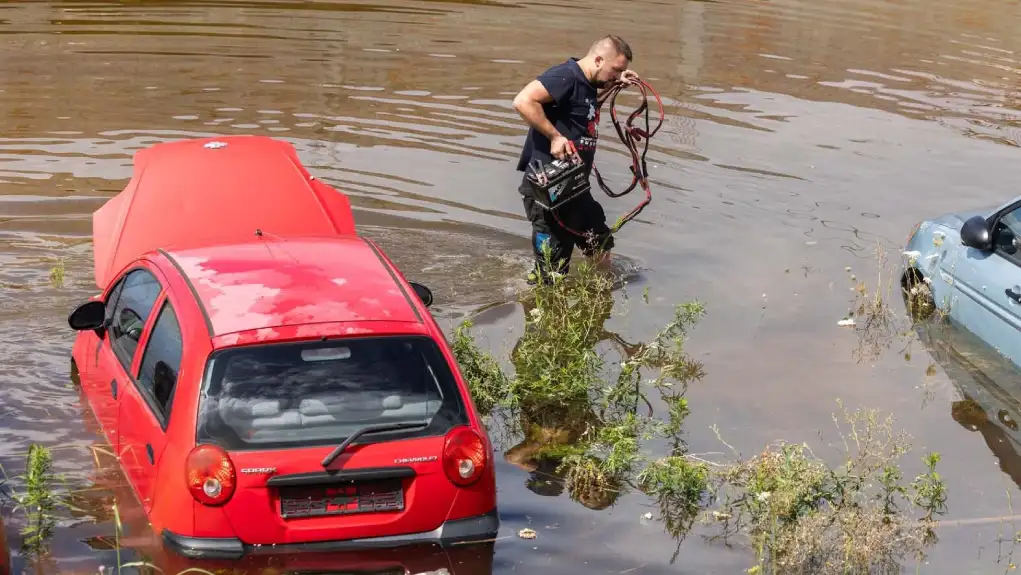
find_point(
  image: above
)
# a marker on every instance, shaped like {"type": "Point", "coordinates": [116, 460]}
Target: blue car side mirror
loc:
{"type": "Point", "coordinates": [976, 233]}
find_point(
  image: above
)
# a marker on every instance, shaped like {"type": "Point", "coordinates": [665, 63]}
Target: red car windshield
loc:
{"type": "Point", "coordinates": [286, 395]}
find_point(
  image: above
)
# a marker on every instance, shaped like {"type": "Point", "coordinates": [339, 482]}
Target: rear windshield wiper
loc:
{"type": "Point", "coordinates": [371, 429]}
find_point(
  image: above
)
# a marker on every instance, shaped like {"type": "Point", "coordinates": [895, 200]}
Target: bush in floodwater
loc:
{"type": "Point", "coordinates": [589, 425]}
{"type": "Point", "coordinates": [803, 516]}
{"type": "Point", "coordinates": [39, 500]}
{"type": "Point", "coordinates": [579, 418]}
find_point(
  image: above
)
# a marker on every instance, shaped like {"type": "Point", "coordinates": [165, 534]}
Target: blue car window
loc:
{"type": "Point", "coordinates": [1007, 236]}
{"type": "Point", "coordinates": [1012, 221]}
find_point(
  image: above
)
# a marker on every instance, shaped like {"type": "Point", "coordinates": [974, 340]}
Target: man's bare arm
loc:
{"type": "Point", "coordinates": [529, 103]}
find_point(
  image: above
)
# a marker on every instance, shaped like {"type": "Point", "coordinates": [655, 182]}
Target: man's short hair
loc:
{"type": "Point", "coordinates": [617, 43]}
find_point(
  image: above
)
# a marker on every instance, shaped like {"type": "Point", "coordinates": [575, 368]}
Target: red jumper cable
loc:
{"type": "Point", "coordinates": [630, 135]}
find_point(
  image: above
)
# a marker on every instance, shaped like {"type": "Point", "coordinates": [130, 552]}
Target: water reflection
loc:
{"type": "Point", "coordinates": [578, 414]}
{"type": "Point", "coordinates": [546, 429]}
{"type": "Point", "coordinates": [989, 389]}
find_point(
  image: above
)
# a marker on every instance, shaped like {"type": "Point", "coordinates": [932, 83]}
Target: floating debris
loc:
{"type": "Point", "coordinates": [847, 322]}
{"type": "Point", "coordinates": [526, 533]}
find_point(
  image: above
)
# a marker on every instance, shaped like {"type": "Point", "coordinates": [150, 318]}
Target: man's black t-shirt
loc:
{"type": "Point", "coordinates": [573, 112]}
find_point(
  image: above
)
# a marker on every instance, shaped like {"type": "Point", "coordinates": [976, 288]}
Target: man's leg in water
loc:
{"type": "Point", "coordinates": [545, 232]}
{"type": "Point", "coordinates": [588, 216]}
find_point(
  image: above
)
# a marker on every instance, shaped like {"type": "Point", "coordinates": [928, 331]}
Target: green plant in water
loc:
{"type": "Point", "coordinates": [57, 273]}
{"type": "Point", "coordinates": [485, 378]}
{"type": "Point", "coordinates": [802, 516]}
{"type": "Point", "coordinates": [38, 501]}
{"type": "Point", "coordinates": [678, 486]}
{"type": "Point", "coordinates": [42, 496]}
{"type": "Point", "coordinates": [799, 514]}
{"type": "Point", "coordinates": [575, 415]}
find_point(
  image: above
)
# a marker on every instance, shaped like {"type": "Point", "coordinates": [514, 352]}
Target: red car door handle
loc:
{"type": "Point", "coordinates": [148, 451]}
{"type": "Point", "coordinates": [113, 388]}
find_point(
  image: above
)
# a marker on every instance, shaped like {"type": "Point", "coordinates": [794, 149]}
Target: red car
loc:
{"type": "Point", "coordinates": [266, 375]}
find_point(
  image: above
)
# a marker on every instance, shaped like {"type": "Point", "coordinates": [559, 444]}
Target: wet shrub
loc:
{"type": "Point", "coordinates": [585, 416]}
{"type": "Point", "coordinates": [38, 499]}
{"type": "Point", "coordinates": [588, 413]}
{"type": "Point", "coordinates": [487, 381]}
{"type": "Point", "coordinates": [803, 516]}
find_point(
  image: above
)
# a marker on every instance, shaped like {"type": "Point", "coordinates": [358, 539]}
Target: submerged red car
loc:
{"type": "Point", "coordinates": [266, 375]}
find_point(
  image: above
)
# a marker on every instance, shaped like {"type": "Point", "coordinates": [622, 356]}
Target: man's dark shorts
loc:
{"type": "Point", "coordinates": [582, 214]}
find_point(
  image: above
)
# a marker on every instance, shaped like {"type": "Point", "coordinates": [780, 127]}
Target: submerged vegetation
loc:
{"type": "Point", "coordinates": [586, 418]}
{"type": "Point", "coordinates": [39, 499]}
{"type": "Point", "coordinates": [877, 324]}
{"type": "Point", "coordinates": [802, 516]}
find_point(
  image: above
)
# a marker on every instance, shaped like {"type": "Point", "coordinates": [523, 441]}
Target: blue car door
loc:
{"type": "Point", "coordinates": [987, 286]}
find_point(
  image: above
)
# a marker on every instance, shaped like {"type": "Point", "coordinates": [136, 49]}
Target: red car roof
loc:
{"type": "Point", "coordinates": [206, 191]}
{"type": "Point", "coordinates": [272, 282]}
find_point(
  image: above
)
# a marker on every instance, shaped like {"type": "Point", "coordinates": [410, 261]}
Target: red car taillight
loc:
{"type": "Point", "coordinates": [210, 475]}
{"type": "Point", "coordinates": [464, 456]}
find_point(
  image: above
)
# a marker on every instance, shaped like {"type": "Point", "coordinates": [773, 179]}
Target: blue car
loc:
{"type": "Point", "coordinates": [967, 267]}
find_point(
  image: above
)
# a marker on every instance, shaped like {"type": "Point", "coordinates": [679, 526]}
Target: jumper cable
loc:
{"type": "Point", "coordinates": [629, 135]}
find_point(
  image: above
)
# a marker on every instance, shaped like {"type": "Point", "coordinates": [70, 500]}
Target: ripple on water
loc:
{"type": "Point", "coordinates": [792, 127]}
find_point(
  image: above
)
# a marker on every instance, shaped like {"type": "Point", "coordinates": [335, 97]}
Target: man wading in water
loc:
{"type": "Point", "coordinates": [561, 108]}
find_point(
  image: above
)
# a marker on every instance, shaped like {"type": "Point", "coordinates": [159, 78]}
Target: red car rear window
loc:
{"type": "Point", "coordinates": [287, 395]}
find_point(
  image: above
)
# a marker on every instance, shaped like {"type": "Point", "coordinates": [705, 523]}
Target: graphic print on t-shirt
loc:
{"type": "Point", "coordinates": [588, 141]}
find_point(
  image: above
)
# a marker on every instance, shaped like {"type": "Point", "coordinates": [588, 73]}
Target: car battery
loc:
{"type": "Point", "coordinates": [559, 181]}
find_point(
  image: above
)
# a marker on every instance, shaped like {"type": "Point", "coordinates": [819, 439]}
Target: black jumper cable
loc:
{"type": "Point", "coordinates": [560, 181]}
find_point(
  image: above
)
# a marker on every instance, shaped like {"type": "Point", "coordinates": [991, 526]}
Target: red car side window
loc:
{"type": "Point", "coordinates": [161, 362]}
{"type": "Point", "coordinates": [111, 300]}
{"type": "Point", "coordinates": [131, 312]}
{"type": "Point", "coordinates": [110, 303]}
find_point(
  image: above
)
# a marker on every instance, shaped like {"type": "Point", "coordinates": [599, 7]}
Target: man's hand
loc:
{"type": "Point", "coordinates": [561, 147]}
{"type": "Point", "coordinates": [629, 77]}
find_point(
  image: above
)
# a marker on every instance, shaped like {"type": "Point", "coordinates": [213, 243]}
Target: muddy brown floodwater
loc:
{"type": "Point", "coordinates": [799, 135]}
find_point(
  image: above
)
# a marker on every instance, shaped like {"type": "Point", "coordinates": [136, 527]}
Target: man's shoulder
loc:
{"type": "Point", "coordinates": [567, 70]}
{"type": "Point", "coordinates": [564, 66]}
{"type": "Point", "coordinates": [564, 80]}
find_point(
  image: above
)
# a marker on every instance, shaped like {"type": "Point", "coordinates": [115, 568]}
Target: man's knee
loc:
{"type": "Point", "coordinates": [593, 223]}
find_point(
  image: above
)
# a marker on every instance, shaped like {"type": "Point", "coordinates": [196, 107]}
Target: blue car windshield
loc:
{"type": "Point", "coordinates": [286, 395]}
